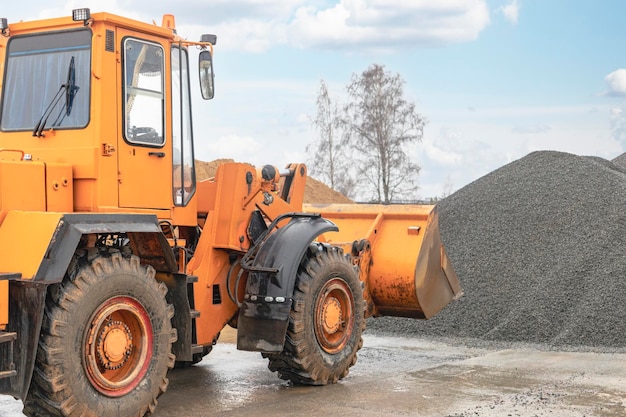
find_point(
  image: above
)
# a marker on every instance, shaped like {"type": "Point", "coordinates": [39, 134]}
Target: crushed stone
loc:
{"type": "Point", "coordinates": [539, 246]}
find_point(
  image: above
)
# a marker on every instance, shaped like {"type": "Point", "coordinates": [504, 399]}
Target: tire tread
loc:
{"type": "Point", "coordinates": [300, 361]}
{"type": "Point", "coordinates": [50, 394]}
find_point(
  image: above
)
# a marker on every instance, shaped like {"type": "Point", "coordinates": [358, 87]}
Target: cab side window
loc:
{"type": "Point", "coordinates": [143, 93]}
{"type": "Point", "coordinates": [184, 176]}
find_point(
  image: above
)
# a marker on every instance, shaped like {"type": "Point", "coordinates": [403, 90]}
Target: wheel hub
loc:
{"type": "Point", "coordinates": [332, 317]}
{"type": "Point", "coordinates": [114, 345]}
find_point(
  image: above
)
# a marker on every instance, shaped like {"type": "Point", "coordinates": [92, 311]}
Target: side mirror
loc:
{"type": "Point", "coordinates": [205, 68]}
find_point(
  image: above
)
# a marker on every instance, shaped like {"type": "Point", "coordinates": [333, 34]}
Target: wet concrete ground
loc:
{"type": "Point", "coordinates": [403, 377]}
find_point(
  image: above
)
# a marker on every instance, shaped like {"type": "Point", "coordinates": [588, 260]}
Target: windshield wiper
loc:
{"type": "Point", "coordinates": [70, 88]}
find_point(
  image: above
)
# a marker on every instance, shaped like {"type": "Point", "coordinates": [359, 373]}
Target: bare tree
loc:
{"type": "Point", "coordinates": [379, 125]}
{"type": "Point", "coordinates": [329, 163]}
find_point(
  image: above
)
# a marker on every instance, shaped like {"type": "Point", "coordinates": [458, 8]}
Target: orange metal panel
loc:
{"type": "Point", "coordinates": [213, 274]}
{"type": "Point", "coordinates": [59, 187]}
{"type": "Point", "coordinates": [231, 216]}
{"type": "Point", "coordinates": [24, 239]}
{"type": "Point", "coordinates": [187, 215]}
{"type": "Point", "coordinates": [206, 193]}
{"type": "Point", "coordinates": [145, 173]}
{"type": "Point", "coordinates": [22, 186]}
{"type": "Point", "coordinates": [63, 148]}
{"type": "Point", "coordinates": [144, 181]}
{"type": "Point", "coordinates": [295, 195]}
{"type": "Point", "coordinates": [104, 121]}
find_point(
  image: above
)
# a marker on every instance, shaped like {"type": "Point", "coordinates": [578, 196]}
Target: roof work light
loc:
{"type": "Point", "coordinates": [212, 39]}
{"type": "Point", "coordinates": [4, 25]}
{"type": "Point", "coordinates": [81, 15]}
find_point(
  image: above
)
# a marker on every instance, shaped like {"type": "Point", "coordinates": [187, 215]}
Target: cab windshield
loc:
{"type": "Point", "coordinates": [47, 81]}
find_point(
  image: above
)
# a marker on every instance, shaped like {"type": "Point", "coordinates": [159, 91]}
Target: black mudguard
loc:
{"type": "Point", "coordinates": [264, 313]}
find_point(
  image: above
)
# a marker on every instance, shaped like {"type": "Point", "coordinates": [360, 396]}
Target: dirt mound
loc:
{"type": "Point", "coordinates": [206, 170]}
{"type": "Point", "coordinates": [538, 246]}
{"type": "Point", "coordinates": [314, 190]}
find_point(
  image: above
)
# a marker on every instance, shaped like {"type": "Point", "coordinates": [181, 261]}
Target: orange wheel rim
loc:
{"type": "Point", "coordinates": [118, 346]}
{"type": "Point", "coordinates": [334, 321]}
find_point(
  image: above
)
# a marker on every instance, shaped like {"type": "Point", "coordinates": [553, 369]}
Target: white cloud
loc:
{"type": "Point", "coordinates": [249, 35]}
{"type": "Point", "coordinates": [511, 11]}
{"type": "Point", "coordinates": [259, 25]}
{"type": "Point", "coordinates": [443, 149]}
{"type": "Point", "coordinates": [616, 82]}
{"type": "Point", "coordinates": [239, 148]}
{"type": "Point", "coordinates": [290, 156]}
{"type": "Point", "coordinates": [463, 146]}
{"type": "Point", "coordinates": [451, 157]}
{"type": "Point", "coordinates": [532, 129]}
{"type": "Point", "coordinates": [386, 24]}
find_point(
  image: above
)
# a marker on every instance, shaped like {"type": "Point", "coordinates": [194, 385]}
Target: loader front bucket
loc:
{"type": "Point", "coordinates": [400, 255]}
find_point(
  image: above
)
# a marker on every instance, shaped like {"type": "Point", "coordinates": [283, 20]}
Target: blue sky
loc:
{"type": "Point", "coordinates": [496, 79]}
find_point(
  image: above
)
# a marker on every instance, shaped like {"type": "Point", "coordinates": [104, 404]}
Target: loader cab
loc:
{"type": "Point", "coordinates": [156, 137]}
{"type": "Point", "coordinates": [110, 98]}
{"type": "Point", "coordinates": [157, 126]}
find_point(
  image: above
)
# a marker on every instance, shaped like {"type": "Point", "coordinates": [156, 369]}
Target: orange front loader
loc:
{"type": "Point", "coordinates": [116, 264]}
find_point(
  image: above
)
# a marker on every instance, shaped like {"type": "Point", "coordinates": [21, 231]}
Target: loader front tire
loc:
{"type": "Point", "coordinates": [106, 341]}
{"type": "Point", "coordinates": [326, 320]}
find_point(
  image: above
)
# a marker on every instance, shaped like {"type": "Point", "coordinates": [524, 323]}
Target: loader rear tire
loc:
{"type": "Point", "coordinates": [326, 320]}
{"type": "Point", "coordinates": [106, 341]}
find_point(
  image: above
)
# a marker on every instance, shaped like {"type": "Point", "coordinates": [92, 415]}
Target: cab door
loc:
{"type": "Point", "coordinates": [144, 160]}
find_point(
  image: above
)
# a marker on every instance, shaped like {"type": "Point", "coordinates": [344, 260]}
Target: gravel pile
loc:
{"type": "Point", "coordinates": [540, 248]}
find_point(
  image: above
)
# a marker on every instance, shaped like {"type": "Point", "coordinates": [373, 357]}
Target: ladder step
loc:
{"type": "Point", "coordinates": [194, 314]}
{"type": "Point", "coordinates": [197, 349]}
{"type": "Point", "coordinates": [10, 338]}
{"type": "Point", "coordinates": [7, 374]}
{"type": "Point", "coordinates": [7, 337]}
{"type": "Point", "coordinates": [10, 275]}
